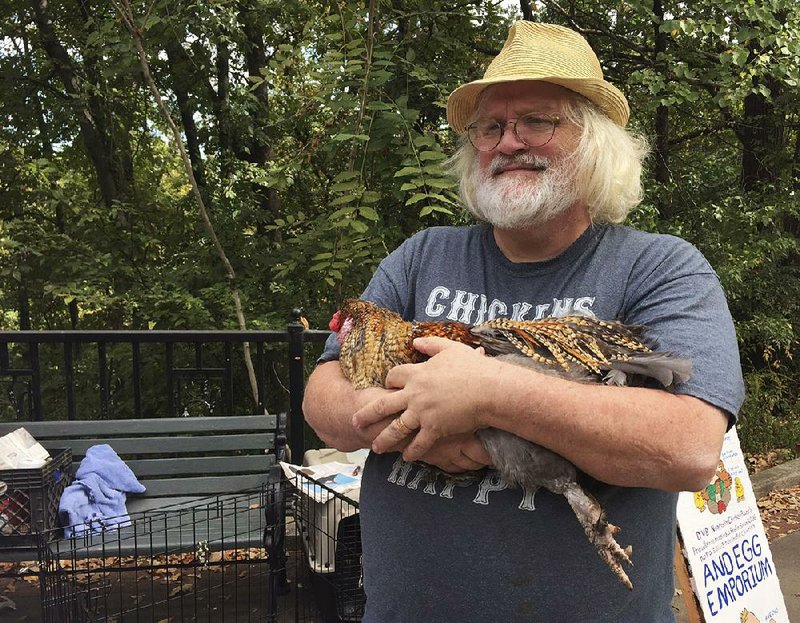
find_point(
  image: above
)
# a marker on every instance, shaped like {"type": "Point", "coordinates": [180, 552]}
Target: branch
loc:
{"type": "Point", "coordinates": [126, 15]}
{"type": "Point", "coordinates": [525, 8]}
{"type": "Point", "coordinates": [704, 131]}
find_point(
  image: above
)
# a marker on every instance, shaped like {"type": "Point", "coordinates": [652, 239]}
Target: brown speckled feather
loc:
{"type": "Point", "coordinates": [380, 339]}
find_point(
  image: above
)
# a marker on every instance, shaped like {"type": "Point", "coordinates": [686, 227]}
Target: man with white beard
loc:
{"type": "Point", "coordinates": [548, 166]}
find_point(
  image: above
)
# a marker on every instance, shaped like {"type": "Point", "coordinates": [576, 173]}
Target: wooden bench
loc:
{"type": "Point", "coordinates": [214, 498]}
{"type": "Point", "coordinates": [212, 483]}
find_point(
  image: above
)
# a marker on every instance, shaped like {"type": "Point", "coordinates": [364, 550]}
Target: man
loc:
{"type": "Point", "coordinates": [547, 164]}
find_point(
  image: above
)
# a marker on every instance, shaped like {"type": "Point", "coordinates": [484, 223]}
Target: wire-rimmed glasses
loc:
{"type": "Point", "coordinates": [534, 129]}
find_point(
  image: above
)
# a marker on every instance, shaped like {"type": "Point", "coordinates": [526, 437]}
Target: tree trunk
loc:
{"type": "Point", "coordinates": [91, 133]}
{"type": "Point", "coordinates": [115, 135]}
{"type": "Point", "coordinates": [761, 134]}
{"type": "Point", "coordinates": [222, 104]}
{"type": "Point", "coordinates": [661, 152]}
{"type": "Point", "coordinates": [260, 150]}
{"type": "Point", "coordinates": [177, 57]}
{"type": "Point", "coordinates": [24, 305]}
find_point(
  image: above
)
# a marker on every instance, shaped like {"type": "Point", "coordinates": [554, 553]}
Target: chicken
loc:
{"type": "Point", "coordinates": [582, 349]}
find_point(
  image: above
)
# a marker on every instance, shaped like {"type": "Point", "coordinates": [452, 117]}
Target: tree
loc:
{"type": "Point", "coordinates": [317, 135]}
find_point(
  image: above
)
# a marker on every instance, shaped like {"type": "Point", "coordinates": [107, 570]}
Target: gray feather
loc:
{"type": "Point", "coordinates": [665, 368]}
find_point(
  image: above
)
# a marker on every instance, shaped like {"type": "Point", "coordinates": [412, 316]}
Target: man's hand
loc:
{"type": "Point", "coordinates": [443, 396]}
{"type": "Point", "coordinates": [457, 453]}
{"type": "Point", "coordinates": [368, 432]}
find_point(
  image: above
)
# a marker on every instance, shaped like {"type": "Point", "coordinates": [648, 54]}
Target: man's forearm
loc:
{"type": "Point", "coordinates": [328, 405]}
{"type": "Point", "coordinates": [621, 435]}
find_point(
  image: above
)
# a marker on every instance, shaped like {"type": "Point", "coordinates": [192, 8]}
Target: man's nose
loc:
{"type": "Point", "coordinates": [509, 142]}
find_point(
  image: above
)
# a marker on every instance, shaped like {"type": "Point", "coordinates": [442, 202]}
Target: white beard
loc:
{"type": "Point", "coordinates": [516, 202]}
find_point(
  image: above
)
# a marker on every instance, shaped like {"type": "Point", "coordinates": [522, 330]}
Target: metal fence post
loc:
{"type": "Point", "coordinates": [296, 387]}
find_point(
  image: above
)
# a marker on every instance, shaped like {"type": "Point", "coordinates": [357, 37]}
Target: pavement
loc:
{"type": "Point", "coordinates": [785, 550]}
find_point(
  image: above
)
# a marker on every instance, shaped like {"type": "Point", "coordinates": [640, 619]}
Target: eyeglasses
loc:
{"type": "Point", "coordinates": [534, 129]}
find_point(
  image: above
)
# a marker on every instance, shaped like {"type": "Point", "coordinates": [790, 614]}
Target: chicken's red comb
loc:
{"type": "Point", "coordinates": [336, 322]}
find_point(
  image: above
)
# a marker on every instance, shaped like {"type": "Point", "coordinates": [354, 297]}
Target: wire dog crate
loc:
{"type": "Point", "coordinates": [220, 559]}
{"type": "Point", "coordinates": [270, 554]}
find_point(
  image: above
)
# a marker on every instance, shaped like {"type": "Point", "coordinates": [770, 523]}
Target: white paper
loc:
{"type": "Point", "coordinates": [339, 477]}
{"type": "Point", "coordinates": [19, 450]}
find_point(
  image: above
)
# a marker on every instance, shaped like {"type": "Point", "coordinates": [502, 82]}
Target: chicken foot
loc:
{"type": "Point", "coordinates": [528, 465]}
{"type": "Point", "coordinates": [599, 532]}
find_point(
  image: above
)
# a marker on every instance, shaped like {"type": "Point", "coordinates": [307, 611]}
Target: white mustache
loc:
{"type": "Point", "coordinates": [532, 161]}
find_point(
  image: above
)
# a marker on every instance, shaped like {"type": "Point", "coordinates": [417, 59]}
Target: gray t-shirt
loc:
{"type": "Point", "coordinates": [439, 550]}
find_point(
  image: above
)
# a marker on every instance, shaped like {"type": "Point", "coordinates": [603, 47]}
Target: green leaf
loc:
{"type": "Point", "coordinates": [405, 171]}
{"type": "Point", "coordinates": [346, 175]}
{"type": "Point", "coordinates": [342, 200]}
{"type": "Point", "coordinates": [345, 186]}
{"type": "Point", "coordinates": [423, 140]}
{"type": "Point", "coordinates": [368, 213]}
{"type": "Point", "coordinates": [377, 105]}
{"type": "Point", "coordinates": [669, 25]}
{"type": "Point", "coordinates": [437, 182]}
{"type": "Point", "coordinates": [359, 227]}
{"type": "Point", "coordinates": [370, 196]}
{"type": "Point", "coordinates": [739, 56]}
{"type": "Point", "coordinates": [416, 198]}
{"type": "Point", "coordinates": [341, 212]}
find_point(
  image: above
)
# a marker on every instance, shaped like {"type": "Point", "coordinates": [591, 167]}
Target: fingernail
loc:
{"type": "Point", "coordinates": [354, 422]}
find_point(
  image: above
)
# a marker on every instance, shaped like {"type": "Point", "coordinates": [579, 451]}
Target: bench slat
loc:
{"type": "Point", "coordinates": [204, 485]}
{"type": "Point", "coordinates": [201, 465]}
{"type": "Point", "coordinates": [147, 426]}
{"type": "Point", "coordinates": [170, 445]}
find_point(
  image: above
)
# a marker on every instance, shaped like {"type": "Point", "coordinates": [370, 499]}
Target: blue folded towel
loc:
{"type": "Point", "coordinates": [95, 501]}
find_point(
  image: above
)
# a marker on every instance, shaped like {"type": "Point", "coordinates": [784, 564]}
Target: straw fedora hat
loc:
{"type": "Point", "coordinates": [546, 52]}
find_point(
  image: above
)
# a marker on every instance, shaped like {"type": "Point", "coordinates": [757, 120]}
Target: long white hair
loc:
{"type": "Point", "coordinates": [608, 164]}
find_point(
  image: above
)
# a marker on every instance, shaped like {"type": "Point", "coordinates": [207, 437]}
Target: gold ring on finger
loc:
{"type": "Point", "coordinates": [403, 427]}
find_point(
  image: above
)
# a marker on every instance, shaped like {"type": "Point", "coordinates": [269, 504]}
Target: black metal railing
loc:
{"type": "Point", "coordinates": [116, 374]}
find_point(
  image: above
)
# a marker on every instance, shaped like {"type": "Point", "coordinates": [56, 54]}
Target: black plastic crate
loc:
{"type": "Point", "coordinates": [30, 503]}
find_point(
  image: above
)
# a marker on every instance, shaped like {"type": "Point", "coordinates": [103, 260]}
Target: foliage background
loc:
{"type": "Point", "coordinates": [317, 132]}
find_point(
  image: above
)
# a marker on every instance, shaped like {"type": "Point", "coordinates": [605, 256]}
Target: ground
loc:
{"type": "Point", "coordinates": [780, 510]}
{"type": "Point", "coordinates": [780, 513]}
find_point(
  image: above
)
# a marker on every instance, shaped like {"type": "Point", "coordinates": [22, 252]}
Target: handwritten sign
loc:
{"type": "Point", "coordinates": [733, 575]}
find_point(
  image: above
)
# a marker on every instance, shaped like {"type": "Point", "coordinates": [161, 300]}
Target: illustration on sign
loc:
{"type": "Point", "coordinates": [717, 494]}
{"type": "Point", "coordinates": [726, 547]}
{"type": "Point", "coordinates": [749, 617]}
